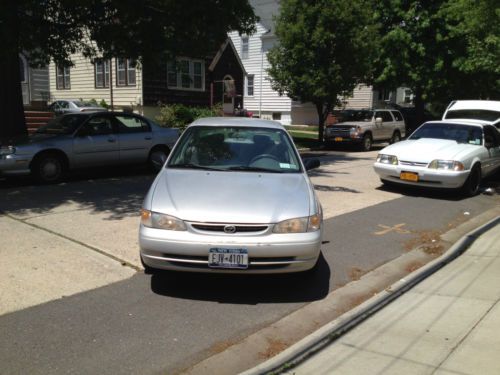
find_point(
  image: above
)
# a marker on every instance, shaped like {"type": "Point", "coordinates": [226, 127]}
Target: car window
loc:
{"type": "Point", "coordinates": [455, 132]}
{"type": "Point", "coordinates": [492, 136]}
{"type": "Point", "coordinates": [79, 104]}
{"type": "Point", "coordinates": [231, 148]}
{"type": "Point", "coordinates": [66, 124]}
{"type": "Point", "coordinates": [353, 115]}
{"type": "Point", "coordinates": [98, 125]}
{"type": "Point", "coordinates": [398, 116]}
{"type": "Point", "coordinates": [386, 116]}
{"type": "Point", "coordinates": [63, 104]}
{"type": "Point", "coordinates": [131, 124]}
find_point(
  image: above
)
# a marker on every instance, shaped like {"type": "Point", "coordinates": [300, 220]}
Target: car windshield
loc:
{"type": "Point", "coordinates": [454, 132]}
{"type": "Point", "coordinates": [477, 114]}
{"type": "Point", "coordinates": [354, 115]}
{"type": "Point", "coordinates": [63, 125]}
{"type": "Point", "coordinates": [81, 104]}
{"type": "Point", "coordinates": [233, 148]}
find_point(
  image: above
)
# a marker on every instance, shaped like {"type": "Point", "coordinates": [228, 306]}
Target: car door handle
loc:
{"type": "Point", "coordinates": [147, 138]}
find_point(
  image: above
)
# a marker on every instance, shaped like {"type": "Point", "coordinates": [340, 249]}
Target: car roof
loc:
{"type": "Point", "coordinates": [491, 105]}
{"type": "Point", "coordinates": [237, 121]}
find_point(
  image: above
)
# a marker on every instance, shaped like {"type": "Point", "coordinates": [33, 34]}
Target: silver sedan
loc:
{"type": "Point", "coordinates": [233, 197]}
{"type": "Point", "coordinates": [86, 140]}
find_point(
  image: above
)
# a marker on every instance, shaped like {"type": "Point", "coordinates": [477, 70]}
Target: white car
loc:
{"type": "Point", "coordinates": [443, 154]}
{"type": "Point", "coordinates": [487, 111]}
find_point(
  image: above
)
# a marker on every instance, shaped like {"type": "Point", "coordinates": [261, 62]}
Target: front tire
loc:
{"type": "Point", "coordinates": [473, 182]}
{"type": "Point", "coordinates": [396, 137]}
{"type": "Point", "coordinates": [48, 168]}
{"type": "Point", "coordinates": [366, 144]}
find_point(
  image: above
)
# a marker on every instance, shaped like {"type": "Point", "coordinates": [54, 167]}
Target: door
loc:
{"type": "Point", "coordinates": [229, 90]}
{"type": "Point", "coordinates": [96, 143]}
{"type": "Point", "coordinates": [383, 131]}
{"type": "Point", "coordinates": [135, 138]}
{"type": "Point", "coordinates": [492, 141]}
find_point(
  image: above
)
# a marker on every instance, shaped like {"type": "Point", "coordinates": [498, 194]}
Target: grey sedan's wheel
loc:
{"type": "Point", "coordinates": [396, 137]}
{"type": "Point", "coordinates": [367, 142]}
{"type": "Point", "coordinates": [473, 182]}
{"type": "Point", "coordinates": [157, 158]}
{"type": "Point", "coordinates": [48, 168]}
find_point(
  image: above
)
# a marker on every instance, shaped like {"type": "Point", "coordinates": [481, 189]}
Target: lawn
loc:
{"type": "Point", "coordinates": [305, 139]}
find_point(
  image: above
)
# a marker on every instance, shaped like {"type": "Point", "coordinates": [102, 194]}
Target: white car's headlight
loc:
{"type": "Point", "coordinates": [449, 165]}
{"type": "Point", "coordinates": [387, 159]}
{"type": "Point", "coordinates": [160, 221]}
{"type": "Point", "coordinates": [9, 150]}
{"type": "Point", "coordinates": [299, 225]}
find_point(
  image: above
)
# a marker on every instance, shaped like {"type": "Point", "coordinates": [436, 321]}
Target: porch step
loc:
{"type": "Point", "coordinates": [36, 119]}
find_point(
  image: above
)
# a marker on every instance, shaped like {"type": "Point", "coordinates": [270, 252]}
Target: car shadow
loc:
{"type": "Point", "coordinates": [245, 289]}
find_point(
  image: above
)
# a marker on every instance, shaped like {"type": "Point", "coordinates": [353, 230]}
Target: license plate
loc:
{"type": "Point", "coordinates": [408, 176]}
{"type": "Point", "coordinates": [228, 258]}
{"type": "Point", "coordinates": [338, 139]}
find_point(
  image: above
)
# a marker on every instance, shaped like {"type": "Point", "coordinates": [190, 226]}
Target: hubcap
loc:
{"type": "Point", "coordinates": [50, 169]}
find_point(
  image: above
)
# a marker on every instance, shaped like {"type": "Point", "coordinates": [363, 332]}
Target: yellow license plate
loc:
{"type": "Point", "coordinates": [408, 176]}
{"type": "Point", "coordinates": [338, 139]}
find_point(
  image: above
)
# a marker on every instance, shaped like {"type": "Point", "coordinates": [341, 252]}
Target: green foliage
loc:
{"type": "Point", "coordinates": [103, 104]}
{"type": "Point", "coordinates": [325, 49]}
{"type": "Point", "coordinates": [179, 116]}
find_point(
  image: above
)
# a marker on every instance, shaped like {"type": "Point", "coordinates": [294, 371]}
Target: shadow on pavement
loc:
{"type": "Point", "coordinates": [244, 289]}
{"type": "Point", "coordinates": [117, 191]}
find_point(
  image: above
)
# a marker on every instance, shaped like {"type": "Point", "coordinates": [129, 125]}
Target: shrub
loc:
{"type": "Point", "coordinates": [179, 116]}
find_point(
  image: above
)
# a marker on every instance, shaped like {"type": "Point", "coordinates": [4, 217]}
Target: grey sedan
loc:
{"type": "Point", "coordinates": [233, 197]}
{"type": "Point", "coordinates": [60, 107]}
{"type": "Point", "coordinates": [88, 140]}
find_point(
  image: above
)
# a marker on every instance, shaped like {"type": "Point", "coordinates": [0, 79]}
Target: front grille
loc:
{"type": "Point", "coordinates": [412, 163]}
{"type": "Point", "coordinates": [238, 228]}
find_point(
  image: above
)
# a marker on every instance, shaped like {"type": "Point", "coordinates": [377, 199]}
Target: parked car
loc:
{"type": "Point", "coordinates": [60, 107]}
{"type": "Point", "coordinates": [233, 197]}
{"type": "Point", "coordinates": [443, 154]}
{"type": "Point", "coordinates": [483, 110]}
{"type": "Point", "coordinates": [88, 139]}
{"type": "Point", "coordinates": [363, 127]}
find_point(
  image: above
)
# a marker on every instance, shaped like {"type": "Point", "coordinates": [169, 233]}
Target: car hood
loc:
{"type": "Point", "coordinates": [425, 150]}
{"type": "Point", "coordinates": [352, 123]}
{"type": "Point", "coordinates": [231, 197]}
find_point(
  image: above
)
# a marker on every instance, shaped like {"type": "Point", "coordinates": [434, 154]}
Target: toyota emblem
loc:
{"type": "Point", "coordinates": [229, 229]}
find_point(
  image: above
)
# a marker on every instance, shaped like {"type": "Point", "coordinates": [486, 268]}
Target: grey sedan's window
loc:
{"type": "Point", "coordinates": [131, 124]}
{"type": "Point", "coordinates": [63, 104]}
{"type": "Point", "coordinates": [98, 126]}
{"type": "Point", "coordinates": [235, 148]}
{"type": "Point", "coordinates": [66, 124]}
{"type": "Point", "coordinates": [453, 132]}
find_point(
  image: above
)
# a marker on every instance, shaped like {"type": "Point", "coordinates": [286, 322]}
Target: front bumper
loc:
{"type": "Point", "coordinates": [14, 165]}
{"type": "Point", "coordinates": [426, 177]}
{"type": "Point", "coordinates": [268, 253]}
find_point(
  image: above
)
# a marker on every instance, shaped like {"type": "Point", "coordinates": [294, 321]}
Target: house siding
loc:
{"type": "Point", "coordinates": [83, 85]}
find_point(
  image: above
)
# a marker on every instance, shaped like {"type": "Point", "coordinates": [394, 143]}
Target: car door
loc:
{"type": "Point", "coordinates": [492, 144]}
{"type": "Point", "coordinates": [96, 143]}
{"type": "Point", "coordinates": [399, 122]}
{"type": "Point", "coordinates": [384, 129]}
{"type": "Point", "coordinates": [135, 138]}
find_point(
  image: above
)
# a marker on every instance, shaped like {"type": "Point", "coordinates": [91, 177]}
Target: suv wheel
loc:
{"type": "Point", "coordinates": [396, 137]}
{"type": "Point", "coordinates": [367, 142]}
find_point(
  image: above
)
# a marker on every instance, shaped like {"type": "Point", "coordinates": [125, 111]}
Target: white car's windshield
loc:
{"type": "Point", "coordinates": [235, 148]}
{"type": "Point", "coordinates": [453, 132]}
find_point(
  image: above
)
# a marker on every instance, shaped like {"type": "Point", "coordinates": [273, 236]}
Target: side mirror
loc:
{"type": "Point", "coordinates": [311, 163]}
{"type": "Point", "coordinates": [378, 121]}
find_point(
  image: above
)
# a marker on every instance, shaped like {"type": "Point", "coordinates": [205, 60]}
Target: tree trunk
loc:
{"type": "Point", "coordinates": [321, 121]}
{"type": "Point", "coordinates": [13, 124]}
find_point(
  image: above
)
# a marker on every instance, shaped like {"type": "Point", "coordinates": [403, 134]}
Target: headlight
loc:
{"type": "Point", "coordinates": [387, 159]}
{"type": "Point", "coordinates": [160, 221]}
{"type": "Point", "coordinates": [355, 132]}
{"type": "Point", "coordinates": [299, 225]}
{"type": "Point", "coordinates": [449, 165]}
{"type": "Point", "coordinates": [9, 150]}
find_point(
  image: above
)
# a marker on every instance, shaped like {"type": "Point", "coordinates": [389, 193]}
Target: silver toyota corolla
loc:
{"type": "Point", "coordinates": [234, 196]}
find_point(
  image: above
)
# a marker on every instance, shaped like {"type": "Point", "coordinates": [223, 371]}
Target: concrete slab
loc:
{"type": "Point", "coordinates": [38, 266]}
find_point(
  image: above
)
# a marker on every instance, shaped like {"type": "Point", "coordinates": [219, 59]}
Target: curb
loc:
{"type": "Point", "coordinates": [319, 339]}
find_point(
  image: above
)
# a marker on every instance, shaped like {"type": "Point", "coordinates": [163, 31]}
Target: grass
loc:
{"type": "Point", "coordinates": [305, 139]}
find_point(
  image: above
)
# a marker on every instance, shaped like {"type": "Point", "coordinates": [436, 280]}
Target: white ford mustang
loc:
{"type": "Point", "coordinates": [443, 154]}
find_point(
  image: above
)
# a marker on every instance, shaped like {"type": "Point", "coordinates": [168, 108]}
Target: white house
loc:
{"type": "Point", "coordinates": [266, 103]}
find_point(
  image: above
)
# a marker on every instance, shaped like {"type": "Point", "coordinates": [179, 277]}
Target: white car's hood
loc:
{"type": "Point", "coordinates": [425, 150]}
{"type": "Point", "coordinates": [232, 197]}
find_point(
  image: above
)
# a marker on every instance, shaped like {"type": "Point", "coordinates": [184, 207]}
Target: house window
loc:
{"type": "Point", "coordinates": [101, 72]}
{"type": "Point", "coordinates": [125, 72]}
{"type": "Point", "coordinates": [277, 116]}
{"type": "Point", "coordinates": [250, 83]}
{"type": "Point", "coordinates": [244, 47]}
{"type": "Point", "coordinates": [63, 81]}
{"type": "Point", "coordinates": [384, 95]}
{"type": "Point", "coordinates": [186, 74]}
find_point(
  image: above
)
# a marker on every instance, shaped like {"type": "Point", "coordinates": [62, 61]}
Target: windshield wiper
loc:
{"type": "Point", "coordinates": [194, 166]}
{"type": "Point", "coordinates": [254, 169]}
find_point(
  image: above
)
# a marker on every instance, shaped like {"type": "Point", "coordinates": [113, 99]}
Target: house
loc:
{"type": "Point", "coordinates": [124, 83]}
{"type": "Point", "coordinates": [266, 103]}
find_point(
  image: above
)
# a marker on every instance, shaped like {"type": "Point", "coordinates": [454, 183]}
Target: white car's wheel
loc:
{"type": "Point", "coordinates": [473, 182]}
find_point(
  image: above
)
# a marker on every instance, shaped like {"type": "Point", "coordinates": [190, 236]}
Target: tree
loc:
{"type": "Point", "coordinates": [326, 48]}
{"type": "Point", "coordinates": [441, 49]}
{"type": "Point", "coordinates": [152, 30]}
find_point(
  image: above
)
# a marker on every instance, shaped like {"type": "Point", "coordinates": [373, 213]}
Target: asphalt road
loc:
{"type": "Point", "coordinates": [167, 322]}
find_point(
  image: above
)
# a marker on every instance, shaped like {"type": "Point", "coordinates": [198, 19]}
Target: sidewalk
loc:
{"type": "Point", "coordinates": [447, 324]}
